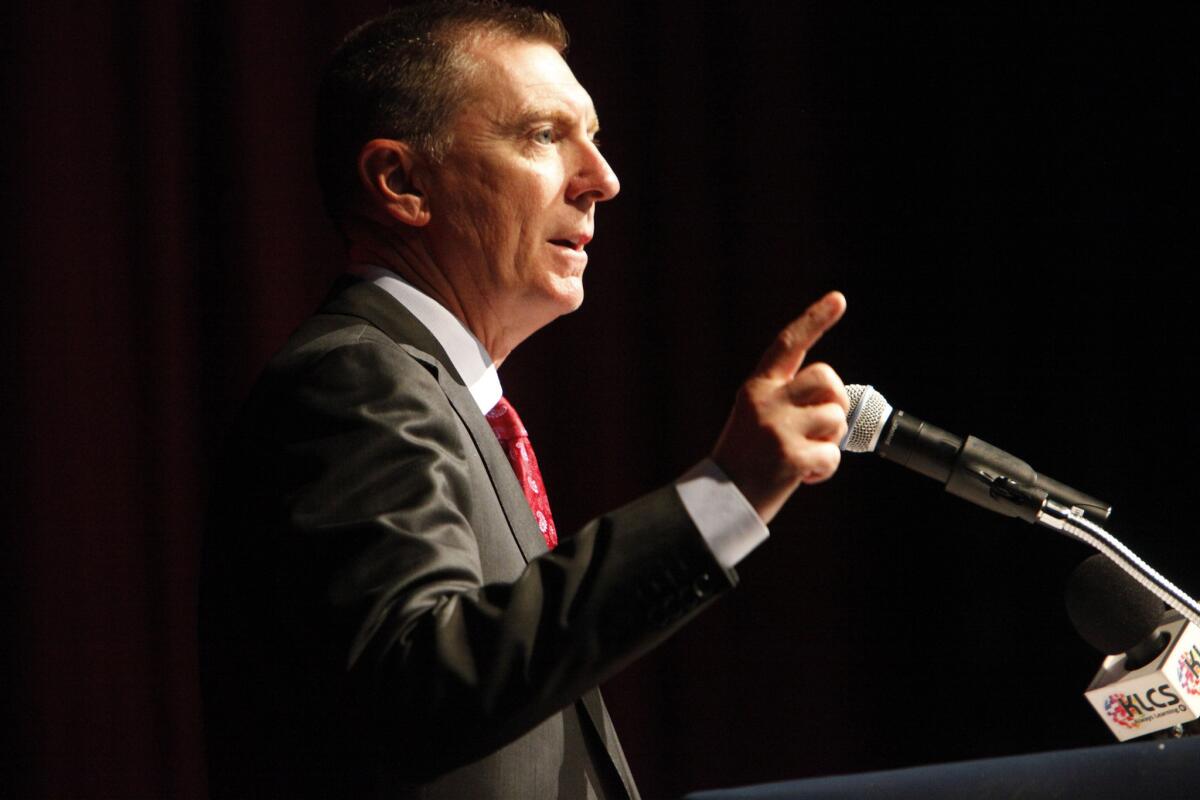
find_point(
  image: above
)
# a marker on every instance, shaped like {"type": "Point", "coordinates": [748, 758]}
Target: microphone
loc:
{"type": "Point", "coordinates": [1150, 680]}
{"type": "Point", "coordinates": [969, 468]}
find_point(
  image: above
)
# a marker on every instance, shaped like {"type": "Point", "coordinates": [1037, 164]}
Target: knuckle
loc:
{"type": "Point", "coordinates": [825, 461]}
{"type": "Point", "coordinates": [798, 457]}
{"type": "Point", "coordinates": [825, 379]}
{"type": "Point", "coordinates": [748, 394]}
{"type": "Point", "coordinates": [838, 426]}
{"type": "Point", "coordinates": [836, 413]}
{"type": "Point", "coordinates": [825, 422]}
{"type": "Point", "coordinates": [754, 398]}
{"type": "Point", "coordinates": [823, 374]}
{"type": "Point", "coordinates": [835, 457]}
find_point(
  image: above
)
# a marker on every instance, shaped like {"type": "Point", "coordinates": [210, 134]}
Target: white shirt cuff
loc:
{"type": "Point", "coordinates": [729, 524]}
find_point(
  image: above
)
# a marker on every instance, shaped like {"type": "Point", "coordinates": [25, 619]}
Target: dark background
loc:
{"type": "Point", "coordinates": [1005, 194]}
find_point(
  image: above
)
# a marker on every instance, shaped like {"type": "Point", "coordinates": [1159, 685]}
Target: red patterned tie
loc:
{"type": "Point", "coordinates": [515, 441]}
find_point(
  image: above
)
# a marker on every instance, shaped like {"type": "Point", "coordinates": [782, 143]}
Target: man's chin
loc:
{"type": "Point", "coordinates": [539, 309]}
{"type": "Point", "coordinates": [575, 300]}
{"type": "Point", "coordinates": [567, 294]}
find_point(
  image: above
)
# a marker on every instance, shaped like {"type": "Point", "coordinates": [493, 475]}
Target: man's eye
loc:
{"type": "Point", "coordinates": [544, 136]}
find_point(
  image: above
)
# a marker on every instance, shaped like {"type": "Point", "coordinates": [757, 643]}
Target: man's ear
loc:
{"type": "Point", "coordinates": [386, 171]}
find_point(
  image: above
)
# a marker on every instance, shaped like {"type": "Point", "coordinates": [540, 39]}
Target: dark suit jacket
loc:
{"type": "Point", "coordinates": [380, 615]}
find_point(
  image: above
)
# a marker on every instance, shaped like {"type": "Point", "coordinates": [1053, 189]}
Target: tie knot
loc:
{"type": "Point", "coordinates": [505, 422]}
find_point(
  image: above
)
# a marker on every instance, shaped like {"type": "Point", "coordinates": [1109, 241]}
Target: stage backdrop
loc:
{"type": "Point", "coordinates": [1007, 197]}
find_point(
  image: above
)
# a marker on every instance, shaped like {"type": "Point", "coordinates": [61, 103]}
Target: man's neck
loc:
{"type": "Point", "coordinates": [408, 258]}
{"type": "Point", "coordinates": [419, 272]}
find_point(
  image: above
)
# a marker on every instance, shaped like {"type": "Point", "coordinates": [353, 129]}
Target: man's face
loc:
{"type": "Point", "coordinates": [514, 201]}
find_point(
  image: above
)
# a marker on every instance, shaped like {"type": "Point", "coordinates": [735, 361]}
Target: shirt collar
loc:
{"type": "Point", "coordinates": [466, 353]}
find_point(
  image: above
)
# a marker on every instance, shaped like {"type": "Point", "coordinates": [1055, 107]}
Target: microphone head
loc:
{"type": "Point", "coordinates": [869, 411]}
{"type": "Point", "coordinates": [1109, 609]}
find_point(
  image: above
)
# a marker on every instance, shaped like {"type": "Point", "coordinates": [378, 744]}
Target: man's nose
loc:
{"type": "Point", "coordinates": [594, 179]}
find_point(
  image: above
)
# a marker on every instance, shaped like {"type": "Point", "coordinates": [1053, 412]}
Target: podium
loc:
{"type": "Point", "coordinates": [1155, 770]}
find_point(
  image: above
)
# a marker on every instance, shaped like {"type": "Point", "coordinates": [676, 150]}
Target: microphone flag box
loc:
{"type": "Point", "coordinates": [1162, 694]}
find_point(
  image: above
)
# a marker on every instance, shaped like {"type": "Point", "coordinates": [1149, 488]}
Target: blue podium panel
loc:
{"type": "Point", "coordinates": [1155, 770]}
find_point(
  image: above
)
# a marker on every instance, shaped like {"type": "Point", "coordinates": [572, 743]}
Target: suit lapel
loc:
{"type": "Point", "coordinates": [366, 301]}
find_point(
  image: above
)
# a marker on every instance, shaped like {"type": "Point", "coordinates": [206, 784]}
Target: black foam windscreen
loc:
{"type": "Point", "coordinates": [1110, 610]}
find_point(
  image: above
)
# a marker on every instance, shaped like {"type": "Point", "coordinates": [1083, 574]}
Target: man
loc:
{"type": "Point", "coordinates": [383, 615]}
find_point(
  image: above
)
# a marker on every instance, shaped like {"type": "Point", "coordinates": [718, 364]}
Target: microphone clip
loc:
{"type": "Point", "coordinates": [1002, 487]}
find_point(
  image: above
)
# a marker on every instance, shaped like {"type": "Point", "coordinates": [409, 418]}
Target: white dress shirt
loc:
{"type": "Point", "coordinates": [726, 520]}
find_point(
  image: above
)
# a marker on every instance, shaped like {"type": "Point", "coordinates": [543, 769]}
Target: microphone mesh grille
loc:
{"type": "Point", "coordinates": [868, 413]}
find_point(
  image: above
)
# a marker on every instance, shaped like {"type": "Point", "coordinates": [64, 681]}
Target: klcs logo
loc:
{"type": "Point", "coordinates": [1131, 710]}
{"type": "Point", "coordinates": [1189, 670]}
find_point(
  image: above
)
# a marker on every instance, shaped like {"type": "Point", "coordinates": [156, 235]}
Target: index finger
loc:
{"type": "Point", "coordinates": [786, 354]}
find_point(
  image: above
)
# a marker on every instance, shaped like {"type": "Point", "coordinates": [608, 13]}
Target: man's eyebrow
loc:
{"type": "Point", "coordinates": [533, 114]}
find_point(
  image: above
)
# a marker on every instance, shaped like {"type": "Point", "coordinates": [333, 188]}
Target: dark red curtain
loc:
{"type": "Point", "coordinates": [1006, 196]}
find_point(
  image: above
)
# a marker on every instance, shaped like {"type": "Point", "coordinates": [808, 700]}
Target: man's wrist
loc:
{"type": "Point", "coordinates": [729, 524]}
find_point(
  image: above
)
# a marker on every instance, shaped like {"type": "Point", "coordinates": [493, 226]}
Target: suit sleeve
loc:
{"type": "Point", "coordinates": [374, 567]}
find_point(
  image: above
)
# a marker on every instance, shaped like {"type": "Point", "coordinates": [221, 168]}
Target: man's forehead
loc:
{"type": "Point", "coordinates": [533, 75]}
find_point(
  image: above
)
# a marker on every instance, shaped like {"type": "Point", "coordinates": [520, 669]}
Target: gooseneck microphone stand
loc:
{"type": "Point", "coordinates": [1071, 521]}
